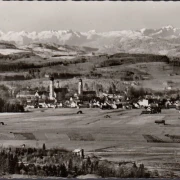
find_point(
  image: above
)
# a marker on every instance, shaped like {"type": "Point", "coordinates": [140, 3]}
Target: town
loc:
{"type": "Point", "coordinates": [59, 97]}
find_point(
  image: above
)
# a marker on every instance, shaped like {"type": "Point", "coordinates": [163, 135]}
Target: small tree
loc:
{"type": "Point", "coordinates": [64, 172]}
{"type": "Point", "coordinates": [70, 165]}
{"type": "Point", "coordinates": [110, 91]}
{"type": "Point", "coordinates": [113, 88]}
{"type": "Point", "coordinates": [44, 147]}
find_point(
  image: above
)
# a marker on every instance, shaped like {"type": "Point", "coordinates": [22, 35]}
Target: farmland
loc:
{"type": "Point", "coordinates": [118, 137]}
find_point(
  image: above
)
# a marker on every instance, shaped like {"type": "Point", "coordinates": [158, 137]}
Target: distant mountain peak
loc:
{"type": "Point", "coordinates": [168, 27]}
{"type": "Point", "coordinates": [142, 40]}
{"type": "Point", "coordinates": [70, 31]}
{"type": "Point", "coordinates": [142, 30]}
{"type": "Point", "coordinates": [92, 31]}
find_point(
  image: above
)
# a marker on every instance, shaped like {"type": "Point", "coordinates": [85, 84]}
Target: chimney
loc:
{"type": "Point", "coordinates": [80, 87]}
{"type": "Point", "coordinates": [51, 88]}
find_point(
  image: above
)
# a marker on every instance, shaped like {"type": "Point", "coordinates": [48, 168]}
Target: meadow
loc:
{"type": "Point", "coordinates": [119, 137]}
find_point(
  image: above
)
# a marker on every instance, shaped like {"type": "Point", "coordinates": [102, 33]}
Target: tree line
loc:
{"type": "Point", "coordinates": [19, 66]}
{"type": "Point", "coordinates": [120, 59]}
{"type": "Point", "coordinates": [62, 163]}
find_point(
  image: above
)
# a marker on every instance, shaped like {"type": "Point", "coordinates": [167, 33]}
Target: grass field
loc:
{"type": "Point", "coordinates": [118, 138]}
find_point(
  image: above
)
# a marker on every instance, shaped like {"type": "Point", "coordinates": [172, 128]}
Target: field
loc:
{"type": "Point", "coordinates": [117, 137]}
{"type": "Point", "coordinates": [161, 75]}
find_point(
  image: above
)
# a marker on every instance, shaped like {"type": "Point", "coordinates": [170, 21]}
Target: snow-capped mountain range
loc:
{"type": "Point", "coordinates": [165, 40]}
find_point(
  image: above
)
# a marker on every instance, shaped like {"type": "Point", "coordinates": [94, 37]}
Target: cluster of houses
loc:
{"type": "Point", "coordinates": [56, 97]}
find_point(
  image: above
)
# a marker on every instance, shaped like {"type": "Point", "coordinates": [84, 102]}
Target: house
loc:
{"type": "Point", "coordinates": [28, 94]}
{"type": "Point", "coordinates": [108, 95]}
{"type": "Point", "coordinates": [42, 94]}
{"type": "Point", "coordinates": [73, 104]}
{"type": "Point", "coordinates": [113, 96]}
{"type": "Point", "coordinates": [79, 152]}
{"type": "Point", "coordinates": [143, 102]}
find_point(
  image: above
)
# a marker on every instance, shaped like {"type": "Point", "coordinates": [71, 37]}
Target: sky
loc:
{"type": "Point", "coordinates": [84, 16]}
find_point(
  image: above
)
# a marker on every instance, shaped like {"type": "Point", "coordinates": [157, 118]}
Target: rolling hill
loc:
{"type": "Point", "coordinates": [44, 50]}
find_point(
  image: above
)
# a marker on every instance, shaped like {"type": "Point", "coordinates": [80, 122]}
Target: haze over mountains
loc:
{"type": "Point", "coordinates": [165, 40]}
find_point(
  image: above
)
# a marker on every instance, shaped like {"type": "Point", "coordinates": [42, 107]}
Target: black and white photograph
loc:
{"type": "Point", "coordinates": [89, 89]}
